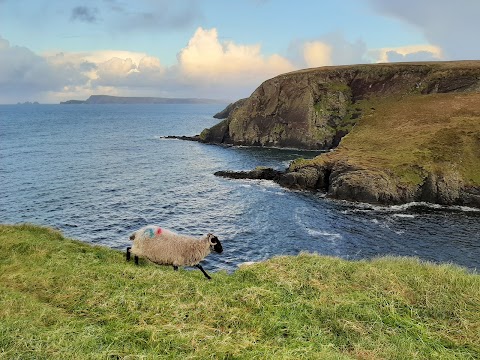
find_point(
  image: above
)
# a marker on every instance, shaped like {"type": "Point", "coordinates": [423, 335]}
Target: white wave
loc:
{"type": "Point", "coordinates": [322, 233]}
{"type": "Point", "coordinates": [361, 207]}
{"type": "Point", "coordinates": [409, 216]}
{"type": "Point", "coordinates": [267, 183]}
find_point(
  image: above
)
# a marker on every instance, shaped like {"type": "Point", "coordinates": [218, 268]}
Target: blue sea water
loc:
{"type": "Point", "coordinates": [98, 172]}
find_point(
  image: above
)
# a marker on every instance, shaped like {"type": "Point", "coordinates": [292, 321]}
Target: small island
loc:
{"type": "Point", "coordinates": [28, 103]}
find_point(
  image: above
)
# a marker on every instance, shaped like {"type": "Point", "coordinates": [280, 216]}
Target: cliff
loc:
{"type": "Point", "coordinates": [413, 130]}
{"type": "Point", "coordinates": [416, 149]}
{"type": "Point", "coordinates": [226, 112]}
{"type": "Point", "coordinates": [315, 108]}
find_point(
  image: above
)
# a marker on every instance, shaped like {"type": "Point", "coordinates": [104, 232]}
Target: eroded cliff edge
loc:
{"type": "Point", "coordinates": [413, 130]}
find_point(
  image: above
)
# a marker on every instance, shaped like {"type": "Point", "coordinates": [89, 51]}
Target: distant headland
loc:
{"type": "Point", "coordinates": [107, 99]}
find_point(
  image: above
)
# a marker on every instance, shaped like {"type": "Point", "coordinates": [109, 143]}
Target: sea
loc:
{"type": "Point", "coordinates": [99, 172]}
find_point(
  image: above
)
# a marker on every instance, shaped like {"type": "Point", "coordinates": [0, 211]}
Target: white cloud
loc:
{"type": "Point", "coordinates": [206, 67]}
{"type": "Point", "coordinates": [24, 75]}
{"type": "Point", "coordinates": [207, 59]}
{"type": "Point", "coordinates": [407, 53]}
{"type": "Point", "coordinates": [329, 49]}
{"type": "Point", "coordinates": [114, 71]}
{"type": "Point", "coordinates": [108, 69]}
{"type": "Point", "coordinates": [150, 64]}
{"type": "Point", "coordinates": [317, 53]}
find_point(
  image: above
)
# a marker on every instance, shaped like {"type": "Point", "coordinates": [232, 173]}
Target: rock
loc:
{"type": "Point", "coordinates": [471, 196]}
{"type": "Point", "coordinates": [226, 112]}
{"type": "Point", "coordinates": [259, 173]}
{"type": "Point", "coordinates": [445, 188]}
{"type": "Point", "coordinates": [308, 178]}
{"type": "Point", "coordinates": [188, 138]}
{"type": "Point", "coordinates": [365, 186]}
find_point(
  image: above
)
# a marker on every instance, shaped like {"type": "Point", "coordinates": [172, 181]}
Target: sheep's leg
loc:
{"type": "Point", "coordinates": [175, 267]}
{"type": "Point", "coordinates": [203, 271]}
{"type": "Point", "coordinates": [128, 256]}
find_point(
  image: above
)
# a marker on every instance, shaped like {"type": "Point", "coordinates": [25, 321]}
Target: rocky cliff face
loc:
{"type": "Point", "coordinates": [413, 130]}
{"type": "Point", "coordinates": [315, 108]}
{"type": "Point", "coordinates": [226, 112]}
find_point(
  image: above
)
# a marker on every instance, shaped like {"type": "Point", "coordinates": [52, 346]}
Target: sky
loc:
{"type": "Point", "coordinates": [52, 51]}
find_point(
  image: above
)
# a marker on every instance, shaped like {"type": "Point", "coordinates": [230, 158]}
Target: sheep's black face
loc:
{"type": "Point", "coordinates": [215, 244]}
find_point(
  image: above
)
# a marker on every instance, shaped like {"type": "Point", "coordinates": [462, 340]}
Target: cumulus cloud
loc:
{"type": "Point", "coordinates": [4, 43]}
{"type": "Point", "coordinates": [148, 72]}
{"type": "Point", "coordinates": [24, 74]}
{"type": "Point", "coordinates": [329, 49]}
{"type": "Point", "coordinates": [110, 69]}
{"type": "Point", "coordinates": [55, 77]}
{"type": "Point", "coordinates": [113, 71]}
{"type": "Point", "coordinates": [317, 53]}
{"type": "Point", "coordinates": [407, 53]}
{"type": "Point", "coordinates": [394, 56]}
{"type": "Point", "coordinates": [205, 58]}
{"type": "Point", "coordinates": [450, 25]}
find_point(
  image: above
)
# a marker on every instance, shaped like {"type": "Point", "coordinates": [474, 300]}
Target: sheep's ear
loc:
{"type": "Point", "coordinates": [213, 238]}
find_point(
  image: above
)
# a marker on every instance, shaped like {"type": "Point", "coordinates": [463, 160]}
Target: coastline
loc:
{"type": "Point", "coordinates": [395, 133]}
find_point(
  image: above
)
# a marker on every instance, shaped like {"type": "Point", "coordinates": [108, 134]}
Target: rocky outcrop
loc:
{"type": "Point", "coordinates": [226, 112]}
{"type": "Point", "coordinates": [366, 185]}
{"type": "Point", "coordinates": [259, 173]}
{"type": "Point", "coordinates": [414, 148]}
{"type": "Point", "coordinates": [315, 108]}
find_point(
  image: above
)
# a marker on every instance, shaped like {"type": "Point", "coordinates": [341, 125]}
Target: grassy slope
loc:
{"type": "Point", "coordinates": [415, 135]}
{"type": "Point", "coordinates": [64, 299]}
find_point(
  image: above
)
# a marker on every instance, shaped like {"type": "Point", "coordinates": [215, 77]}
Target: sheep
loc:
{"type": "Point", "coordinates": [165, 247]}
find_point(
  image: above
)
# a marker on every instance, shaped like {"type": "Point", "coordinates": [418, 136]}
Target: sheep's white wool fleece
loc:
{"type": "Point", "coordinates": [165, 247]}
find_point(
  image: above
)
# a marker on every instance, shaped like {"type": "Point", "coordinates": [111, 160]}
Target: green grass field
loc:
{"type": "Point", "coordinates": [413, 136]}
{"type": "Point", "coordinates": [63, 299]}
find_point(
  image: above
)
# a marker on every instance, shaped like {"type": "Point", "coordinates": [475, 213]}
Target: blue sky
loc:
{"type": "Point", "coordinates": [57, 50]}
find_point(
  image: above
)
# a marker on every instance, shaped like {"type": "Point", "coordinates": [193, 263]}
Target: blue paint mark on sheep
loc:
{"type": "Point", "coordinates": [149, 232]}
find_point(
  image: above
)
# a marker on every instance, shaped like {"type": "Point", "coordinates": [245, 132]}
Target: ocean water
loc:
{"type": "Point", "coordinates": [99, 172]}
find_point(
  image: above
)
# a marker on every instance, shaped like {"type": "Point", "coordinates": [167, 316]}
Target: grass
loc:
{"type": "Point", "coordinates": [414, 136]}
{"type": "Point", "coordinates": [63, 299]}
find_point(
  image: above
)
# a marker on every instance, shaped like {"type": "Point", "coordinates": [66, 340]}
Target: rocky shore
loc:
{"type": "Point", "coordinates": [398, 132]}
